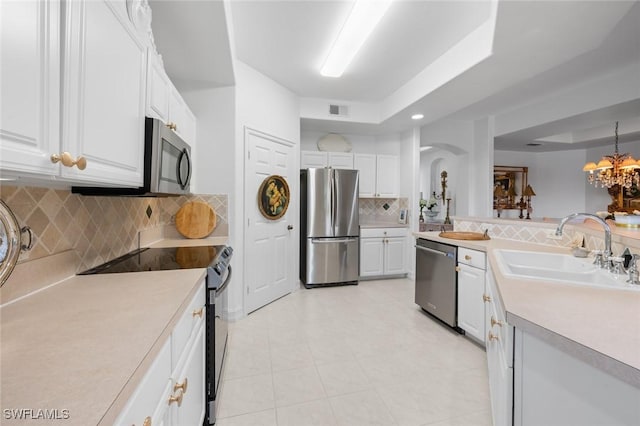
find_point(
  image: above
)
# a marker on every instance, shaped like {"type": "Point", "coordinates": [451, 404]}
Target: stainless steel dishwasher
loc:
{"type": "Point", "coordinates": [436, 280]}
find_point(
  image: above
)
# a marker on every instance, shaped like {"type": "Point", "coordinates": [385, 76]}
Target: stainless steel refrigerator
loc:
{"type": "Point", "coordinates": [330, 228]}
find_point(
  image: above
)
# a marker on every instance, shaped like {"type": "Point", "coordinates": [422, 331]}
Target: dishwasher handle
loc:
{"type": "Point", "coordinates": [442, 253]}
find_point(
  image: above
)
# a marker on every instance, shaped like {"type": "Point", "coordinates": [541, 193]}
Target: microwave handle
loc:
{"type": "Point", "coordinates": [184, 154]}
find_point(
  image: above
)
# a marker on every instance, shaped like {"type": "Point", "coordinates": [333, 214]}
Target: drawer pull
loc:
{"type": "Point", "coordinates": [495, 322]}
{"type": "Point", "coordinates": [486, 298]}
{"type": "Point", "coordinates": [467, 257]}
{"type": "Point", "coordinates": [198, 312]}
{"type": "Point", "coordinates": [176, 398]}
{"type": "Point", "coordinates": [179, 386]}
{"type": "Point", "coordinates": [493, 336]}
{"type": "Point", "coordinates": [147, 421]}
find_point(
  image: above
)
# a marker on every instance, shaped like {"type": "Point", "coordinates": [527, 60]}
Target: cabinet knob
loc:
{"type": "Point", "coordinates": [486, 298]}
{"type": "Point", "coordinates": [457, 269]}
{"type": "Point", "coordinates": [198, 312]}
{"type": "Point", "coordinates": [147, 421]}
{"type": "Point", "coordinates": [172, 126]}
{"type": "Point", "coordinates": [176, 398]}
{"type": "Point", "coordinates": [495, 322]}
{"type": "Point", "coordinates": [67, 160]}
{"type": "Point", "coordinates": [179, 386]}
{"type": "Point", "coordinates": [467, 257]}
{"type": "Point", "coordinates": [493, 336]}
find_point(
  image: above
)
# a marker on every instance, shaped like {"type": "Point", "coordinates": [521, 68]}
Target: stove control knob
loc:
{"type": "Point", "coordinates": [217, 269]}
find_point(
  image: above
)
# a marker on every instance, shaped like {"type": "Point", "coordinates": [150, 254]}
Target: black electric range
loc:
{"type": "Point", "coordinates": [216, 259]}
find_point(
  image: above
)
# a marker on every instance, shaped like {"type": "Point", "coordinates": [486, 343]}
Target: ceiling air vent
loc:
{"type": "Point", "coordinates": [340, 110]}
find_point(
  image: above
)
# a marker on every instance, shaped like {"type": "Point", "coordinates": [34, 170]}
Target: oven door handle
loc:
{"type": "Point", "coordinates": [224, 285]}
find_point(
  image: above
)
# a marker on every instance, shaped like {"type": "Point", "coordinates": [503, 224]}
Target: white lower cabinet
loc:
{"type": "Point", "coordinates": [471, 287]}
{"type": "Point", "coordinates": [499, 345]}
{"type": "Point", "coordinates": [552, 387]}
{"type": "Point", "coordinates": [382, 252]}
{"type": "Point", "coordinates": [172, 391]}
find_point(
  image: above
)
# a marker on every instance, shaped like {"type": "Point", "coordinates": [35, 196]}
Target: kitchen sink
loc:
{"type": "Point", "coordinates": [557, 267]}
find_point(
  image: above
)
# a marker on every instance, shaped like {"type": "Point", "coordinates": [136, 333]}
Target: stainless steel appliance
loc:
{"type": "Point", "coordinates": [437, 280]}
{"type": "Point", "coordinates": [330, 228]}
{"type": "Point", "coordinates": [167, 165]}
{"type": "Point", "coordinates": [216, 259]}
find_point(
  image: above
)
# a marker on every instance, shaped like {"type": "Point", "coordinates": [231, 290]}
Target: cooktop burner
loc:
{"type": "Point", "coordinates": [162, 259]}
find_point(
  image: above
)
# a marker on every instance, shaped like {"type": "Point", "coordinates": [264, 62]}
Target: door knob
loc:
{"type": "Point", "coordinates": [289, 227]}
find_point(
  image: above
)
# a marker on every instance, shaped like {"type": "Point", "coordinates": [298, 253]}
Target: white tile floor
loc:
{"type": "Point", "coordinates": [354, 355]}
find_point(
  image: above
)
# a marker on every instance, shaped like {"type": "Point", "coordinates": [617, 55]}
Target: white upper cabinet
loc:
{"type": "Point", "coordinates": [91, 92]}
{"type": "Point", "coordinates": [158, 88]}
{"type": "Point", "coordinates": [165, 103]}
{"type": "Point", "coordinates": [319, 159]}
{"type": "Point", "coordinates": [379, 175]}
{"type": "Point", "coordinates": [104, 94]}
{"type": "Point", "coordinates": [181, 119]}
{"type": "Point", "coordinates": [30, 86]}
{"type": "Point", "coordinates": [340, 160]}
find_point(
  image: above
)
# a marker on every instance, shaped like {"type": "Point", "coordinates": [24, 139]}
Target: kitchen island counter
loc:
{"type": "Point", "coordinates": [597, 325]}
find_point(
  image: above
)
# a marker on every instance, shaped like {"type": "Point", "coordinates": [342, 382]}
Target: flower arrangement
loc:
{"type": "Point", "coordinates": [430, 205]}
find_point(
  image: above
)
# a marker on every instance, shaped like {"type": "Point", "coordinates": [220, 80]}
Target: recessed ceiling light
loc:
{"type": "Point", "coordinates": [363, 18]}
{"type": "Point", "coordinates": [417, 116]}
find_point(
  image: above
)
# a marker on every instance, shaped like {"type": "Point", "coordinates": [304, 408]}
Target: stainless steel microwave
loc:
{"type": "Point", "coordinates": [167, 165]}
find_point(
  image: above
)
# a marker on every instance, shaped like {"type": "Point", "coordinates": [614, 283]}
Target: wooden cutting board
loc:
{"type": "Point", "coordinates": [195, 219]}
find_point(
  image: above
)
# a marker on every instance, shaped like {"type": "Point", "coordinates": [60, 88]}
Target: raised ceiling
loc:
{"type": "Point", "coordinates": [537, 48]}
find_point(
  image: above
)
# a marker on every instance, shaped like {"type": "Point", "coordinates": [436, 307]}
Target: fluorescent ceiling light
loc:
{"type": "Point", "coordinates": [417, 116]}
{"type": "Point", "coordinates": [363, 18]}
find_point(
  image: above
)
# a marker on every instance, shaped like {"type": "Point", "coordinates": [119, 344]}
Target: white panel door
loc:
{"type": "Point", "coordinates": [366, 164]}
{"type": "Point", "coordinates": [371, 257]}
{"type": "Point", "coordinates": [30, 86]}
{"type": "Point", "coordinates": [387, 176]}
{"type": "Point", "coordinates": [470, 304]}
{"type": "Point", "coordinates": [394, 262]}
{"type": "Point", "coordinates": [340, 160]}
{"type": "Point", "coordinates": [103, 94]}
{"type": "Point", "coordinates": [313, 159]}
{"type": "Point", "coordinates": [268, 262]}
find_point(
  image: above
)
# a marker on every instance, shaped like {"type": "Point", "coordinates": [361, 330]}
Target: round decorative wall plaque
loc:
{"type": "Point", "coordinates": [273, 197]}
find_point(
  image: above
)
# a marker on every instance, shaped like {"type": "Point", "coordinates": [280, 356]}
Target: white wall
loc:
{"type": "Point", "coordinates": [264, 105]}
{"type": "Point", "coordinates": [214, 151]}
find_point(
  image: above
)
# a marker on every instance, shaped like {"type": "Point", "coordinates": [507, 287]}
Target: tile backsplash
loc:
{"type": "Point", "coordinates": [97, 228]}
{"type": "Point", "coordinates": [381, 209]}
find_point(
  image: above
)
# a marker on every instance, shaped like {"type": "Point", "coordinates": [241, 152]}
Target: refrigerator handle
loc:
{"type": "Point", "coordinates": [332, 185]}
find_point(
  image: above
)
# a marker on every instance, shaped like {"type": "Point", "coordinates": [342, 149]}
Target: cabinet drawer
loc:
{"type": "Point", "coordinates": [151, 392]}
{"type": "Point", "coordinates": [187, 325]}
{"type": "Point", "coordinates": [382, 232]}
{"type": "Point", "coordinates": [472, 257]}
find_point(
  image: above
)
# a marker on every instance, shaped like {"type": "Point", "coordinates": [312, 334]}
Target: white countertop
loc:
{"type": "Point", "coordinates": [599, 326]}
{"type": "Point", "coordinates": [84, 342]}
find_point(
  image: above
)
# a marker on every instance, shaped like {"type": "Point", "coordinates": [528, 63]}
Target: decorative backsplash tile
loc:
{"type": "Point", "coordinates": [381, 209]}
{"type": "Point", "coordinates": [519, 231]}
{"type": "Point", "coordinates": [97, 228]}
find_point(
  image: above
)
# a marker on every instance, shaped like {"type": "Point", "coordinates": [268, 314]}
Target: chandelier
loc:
{"type": "Point", "coordinates": [612, 170]}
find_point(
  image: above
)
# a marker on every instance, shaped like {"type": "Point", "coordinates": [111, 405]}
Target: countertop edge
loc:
{"type": "Point", "coordinates": [132, 384]}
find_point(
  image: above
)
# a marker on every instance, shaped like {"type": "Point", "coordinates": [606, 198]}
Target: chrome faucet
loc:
{"type": "Point", "coordinates": [607, 232]}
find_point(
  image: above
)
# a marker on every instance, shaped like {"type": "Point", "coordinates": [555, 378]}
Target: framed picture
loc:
{"type": "Point", "coordinates": [402, 218]}
{"type": "Point", "coordinates": [273, 197]}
